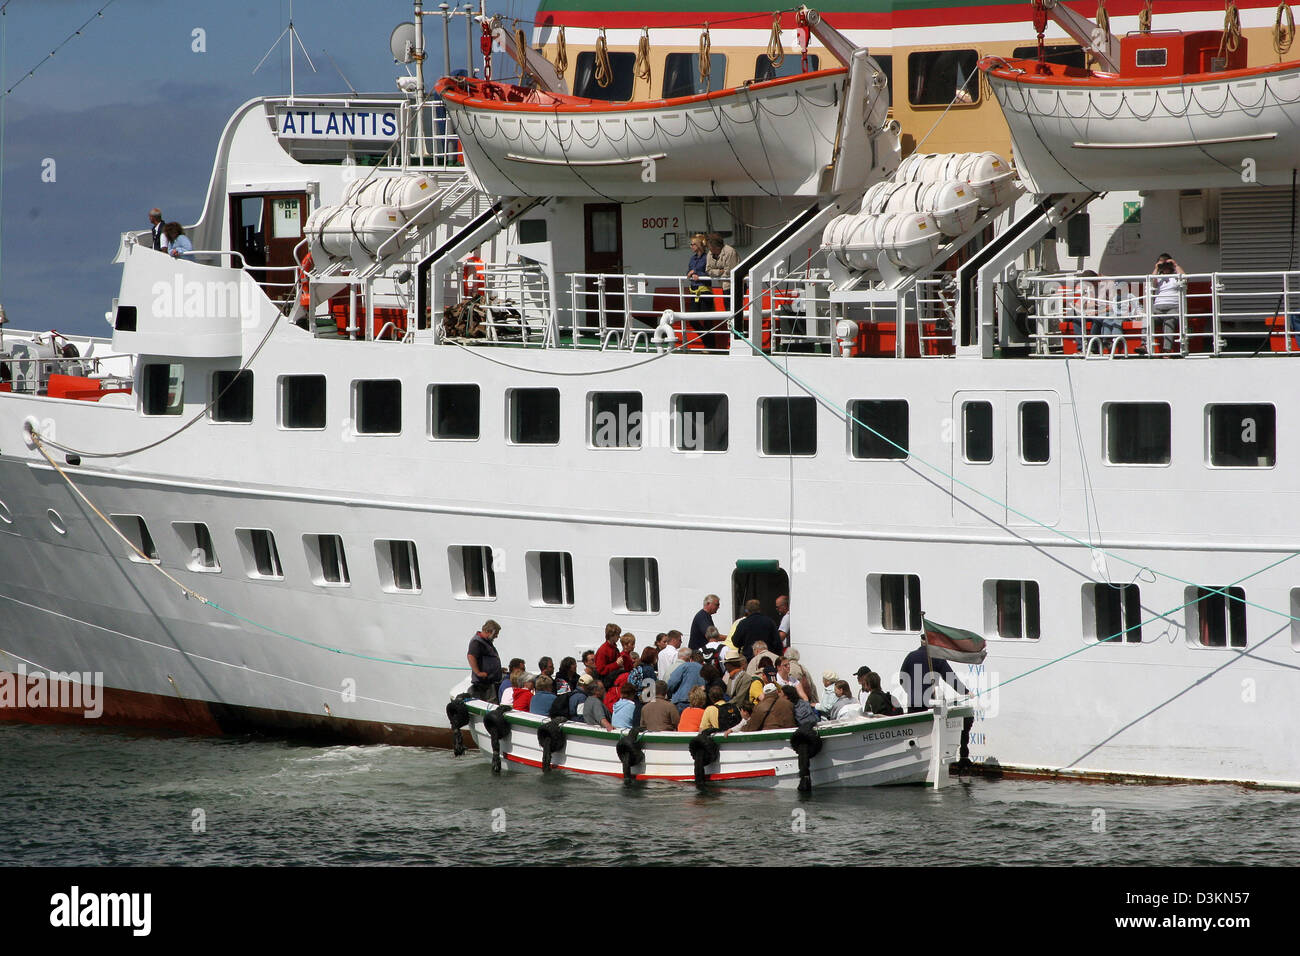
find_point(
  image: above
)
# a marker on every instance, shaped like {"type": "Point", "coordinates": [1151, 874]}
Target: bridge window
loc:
{"type": "Point", "coordinates": [137, 532]}
{"type": "Point", "coordinates": [454, 412]}
{"type": "Point", "coordinates": [399, 565]}
{"type": "Point", "coordinates": [700, 422]}
{"type": "Point", "coordinates": [1035, 433]}
{"type": "Point", "coordinates": [261, 557]}
{"type": "Point", "coordinates": [550, 578]}
{"type": "Point", "coordinates": [1011, 609]}
{"type": "Point", "coordinates": [682, 74]}
{"type": "Point", "coordinates": [473, 573]}
{"type": "Point", "coordinates": [616, 420]}
{"type": "Point", "coordinates": [1242, 436]}
{"type": "Point", "coordinates": [635, 584]}
{"type": "Point", "coordinates": [1137, 433]}
{"type": "Point", "coordinates": [894, 602]}
{"type": "Point", "coordinates": [878, 429]}
{"type": "Point", "coordinates": [1112, 613]}
{"type": "Point", "coordinates": [1216, 617]}
{"type": "Point", "coordinates": [620, 68]}
{"type": "Point", "coordinates": [302, 401]}
{"type": "Point", "coordinates": [788, 425]}
{"type": "Point", "coordinates": [327, 559]}
{"type": "Point", "coordinates": [534, 416]}
{"type": "Point", "coordinates": [977, 431]}
{"type": "Point", "coordinates": [790, 66]}
{"type": "Point", "coordinates": [162, 389]}
{"type": "Point", "coordinates": [196, 539]}
{"type": "Point", "coordinates": [378, 407]}
{"type": "Point", "coordinates": [232, 393]}
{"type": "Point", "coordinates": [941, 77]}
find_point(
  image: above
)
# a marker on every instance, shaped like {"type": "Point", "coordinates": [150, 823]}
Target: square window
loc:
{"type": "Point", "coordinates": [788, 426]}
{"type": "Point", "coordinates": [1216, 617]}
{"type": "Point", "coordinates": [619, 89]}
{"type": "Point", "coordinates": [1242, 436]}
{"type": "Point", "coordinates": [682, 74]}
{"type": "Point", "coordinates": [790, 66]}
{"type": "Point", "coordinates": [302, 401]}
{"type": "Point", "coordinates": [550, 578]}
{"type": "Point", "coordinates": [1011, 609]}
{"type": "Point", "coordinates": [399, 566]}
{"type": "Point", "coordinates": [378, 407]}
{"type": "Point", "coordinates": [1138, 433]}
{"type": "Point", "coordinates": [635, 583]}
{"type": "Point", "coordinates": [894, 602]}
{"type": "Point", "coordinates": [700, 422]}
{"type": "Point", "coordinates": [197, 542]}
{"type": "Point", "coordinates": [137, 532]}
{"type": "Point", "coordinates": [1112, 613]}
{"type": "Point", "coordinates": [534, 416]}
{"type": "Point", "coordinates": [1035, 433]}
{"type": "Point", "coordinates": [327, 560]}
{"type": "Point", "coordinates": [260, 555]}
{"type": "Point", "coordinates": [615, 419]}
{"type": "Point", "coordinates": [977, 431]}
{"type": "Point", "coordinates": [162, 389]}
{"type": "Point", "coordinates": [878, 429]}
{"type": "Point", "coordinates": [473, 572]}
{"type": "Point", "coordinates": [232, 394]}
{"type": "Point", "coordinates": [454, 412]}
{"type": "Point", "coordinates": [943, 77]}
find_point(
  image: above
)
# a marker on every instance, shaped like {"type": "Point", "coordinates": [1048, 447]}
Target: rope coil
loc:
{"type": "Point", "coordinates": [604, 72]}
{"type": "Point", "coordinates": [775, 52]}
{"type": "Point", "coordinates": [1231, 29]}
{"type": "Point", "coordinates": [1103, 30]}
{"type": "Point", "coordinates": [641, 69]}
{"type": "Point", "coordinates": [1144, 17]}
{"type": "Point", "coordinates": [521, 51]}
{"type": "Point", "coordinates": [561, 55]}
{"type": "Point", "coordinates": [1283, 36]}
{"type": "Point", "coordinates": [706, 67]}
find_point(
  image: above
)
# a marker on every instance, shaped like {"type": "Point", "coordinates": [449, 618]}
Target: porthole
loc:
{"type": "Point", "coordinates": [56, 521]}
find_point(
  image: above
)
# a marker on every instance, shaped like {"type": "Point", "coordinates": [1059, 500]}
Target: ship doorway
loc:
{"type": "Point", "coordinates": [264, 229]}
{"type": "Point", "coordinates": [1006, 458]}
{"type": "Point", "coordinates": [763, 580]}
{"type": "Point", "coordinates": [602, 231]}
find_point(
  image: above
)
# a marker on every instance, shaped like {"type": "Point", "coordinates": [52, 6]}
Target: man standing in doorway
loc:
{"type": "Point", "coordinates": [703, 621]}
{"type": "Point", "coordinates": [783, 629]}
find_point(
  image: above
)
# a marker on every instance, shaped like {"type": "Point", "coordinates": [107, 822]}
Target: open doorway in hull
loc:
{"type": "Point", "coordinates": [762, 580]}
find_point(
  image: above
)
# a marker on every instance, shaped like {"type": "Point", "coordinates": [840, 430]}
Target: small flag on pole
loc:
{"type": "Point", "coordinates": [954, 644]}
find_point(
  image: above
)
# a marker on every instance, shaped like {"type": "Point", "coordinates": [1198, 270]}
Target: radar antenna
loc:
{"type": "Point", "coordinates": [292, 33]}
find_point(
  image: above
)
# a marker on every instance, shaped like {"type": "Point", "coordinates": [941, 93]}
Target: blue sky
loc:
{"type": "Point", "coordinates": [130, 115]}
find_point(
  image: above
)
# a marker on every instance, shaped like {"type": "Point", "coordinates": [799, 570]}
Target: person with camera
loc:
{"type": "Point", "coordinates": [1166, 300]}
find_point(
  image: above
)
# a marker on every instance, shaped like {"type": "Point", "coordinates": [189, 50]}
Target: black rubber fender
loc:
{"type": "Point", "coordinates": [495, 723]}
{"type": "Point", "coordinates": [458, 716]}
{"type": "Point", "coordinates": [631, 753]}
{"type": "Point", "coordinates": [551, 736]}
{"type": "Point", "coordinates": [704, 751]}
{"type": "Point", "coordinates": [807, 743]}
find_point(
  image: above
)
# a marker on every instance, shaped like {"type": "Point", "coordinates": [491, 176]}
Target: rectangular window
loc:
{"type": "Point", "coordinates": [894, 602]}
{"type": "Point", "coordinates": [1112, 613]}
{"type": "Point", "coordinates": [378, 407]}
{"type": "Point", "coordinates": [941, 77]}
{"type": "Point", "coordinates": [197, 542]}
{"type": "Point", "coordinates": [302, 401]}
{"type": "Point", "coordinates": [534, 416]}
{"type": "Point", "coordinates": [1137, 433]}
{"type": "Point", "coordinates": [473, 574]}
{"type": "Point", "coordinates": [790, 66]}
{"type": "Point", "coordinates": [1011, 609]}
{"type": "Point", "coordinates": [635, 585]}
{"type": "Point", "coordinates": [399, 565]}
{"type": "Point", "coordinates": [1242, 436]}
{"type": "Point", "coordinates": [615, 419]}
{"type": "Point", "coordinates": [700, 422]}
{"type": "Point", "coordinates": [326, 559]}
{"type": "Point", "coordinates": [162, 389]}
{"type": "Point", "coordinates": [788, 426]}
{"type": "Point", "coordinates": [620, 68]}
{"type": "Point", "coordinates": [878, 429]}
{"type": "Point", "coordinates": [261, 557]}
{"type": "Point", "coordinates": [1035, 433]}
{"type": "Point", "coordinates": [550, 578]}
{"type": "Point", "coordinates": [682, 74]}
{"type": "Point", "coordinates": [1066, 54]}
{"type": "Point", "coordinates": [137, 532]}
{"type": "Point", "coordinates": [232, 393]}
{"type": "Point", "coordinates": [454, 412]}
{"type": "Point", "coordinates": [977, 431]}
{"type": "Point", "coordinates": [1158, 56]}
{"type": "Point", "coordinates": [1216, 617]}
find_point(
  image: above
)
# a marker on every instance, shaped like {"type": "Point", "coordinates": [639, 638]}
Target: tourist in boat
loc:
{"type": "Point", "coordinates": [624, 708]}
{"type": "Point", "coordinates": [157, 229]}
{"type": "Point", "coordinates": [628, 658]}
{"type": "Point", "coordinates": [879, 701]}
{"type": "Point", "coordinates": [783, 629]}
{"type": "Point", "coordinates": [722, 259]}
{"type": "Point", "coordinates": [484, 662]}
{"type": "Point", "coordinates": [668, 654]}
{"type": "Point", "coordinates": [844, 704]}
{"type": "Point", "coordinates": [543, 696]}
{"type": "Point", "coordinates": [644, 671]}
{"type": "Point", "coordinates": [692, 716]}
{"type": "Point", "coordinates": [720, 714]}
{"type": "Point", "coordinates": [1166, 300]}
{"type": "Point", "coordinates": [742, 687]}
{"type": "Point", "coordinates": [863, 674]}
{"type": "Point", "coordinates": [659, 712]}
{"type": "Point", "coordinates": [804, 715]}
{"type": "Point", "coordinates": [508, 685]}
{"type": "Point", "coordinates": [589, 663]}
{"type": "Point", "coordinates": [827, 701]}
{"type": "Point", "coordinates": [800, 673]}
{"type": "Point", "coordinates": [606, 661]}
{"type": "Point", "coordinates": [755, 626]}
{"type": "Point", "coordinates": [772, 712]}
{"type": "Point", "coordinates": [566, 678]}
{"type": "Point", "coordinates": [921, 670]}
{"type": "Point", "coordinates": [178, 244]}
{"type": "Point", "coordinates": [714, 647]}
{"type": "Point", "coordinates": [762, 659]}
{"type": "Point", "coordinates": [703, 621]}
{"type": "Point", "coordinates": [579, 697]}
{"type": "Point", "coordinates": [594, 711]}
{"type": "Point", "coordinates": [685, 676]}
{"type": "Point", "coordinates": [784, 678]}
{"type": "Point", "coordinates": [523, 692]}
{"type": "Point", "coordinates": [614, 690]}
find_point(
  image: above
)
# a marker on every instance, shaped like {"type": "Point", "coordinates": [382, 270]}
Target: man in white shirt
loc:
{"type": "Point", "coordinates": [668, 654]}
{"type": "Point", "coordinates": [783, 629]}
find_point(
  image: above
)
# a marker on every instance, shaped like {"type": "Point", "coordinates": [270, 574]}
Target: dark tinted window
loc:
{"type": "Point", "coordinates": [379, 407]}
{"type": "Point", "coordinates": [454, 411]}
{"type": "Point", "coordinates": [302, 400]}
{"type": "Point", "coordinates": [1138, 433]}
{"type": "Point", "coordinates": [790, 66]}
{"type": "Point", "coordinates": [620, 87]}
{"type": "Point", "coordinates": [233, 392]}
{"type": "Point", "coordinates": [789, 425]}
{"type": "Point", "coordinates": [682, 74]}
{"type": "Point", "coordinates": [879, 428]}
{"type": "Point", "coordinates": [940, 77]}
{"type": "Point", "coordinates": [700, 422]}
{"type": "Point", "coordinates": [1035, 432]}
{"type": "Point", "coordinates": [1243, 435]}
{"type": "Point", "coordinates": [1067, 54]}
{"type": "Point", "coordinates": [535, 416]}
{"type": "Point", "coordinates": [977, 431]}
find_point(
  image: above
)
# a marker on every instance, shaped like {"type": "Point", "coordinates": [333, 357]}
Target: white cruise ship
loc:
{"type": "Point", "coordinates": [436, 358]}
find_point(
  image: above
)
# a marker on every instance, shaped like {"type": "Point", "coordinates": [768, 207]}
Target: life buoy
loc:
{"type": "Point", "coordinates": [458, 717]}
{"type": "Point", "coordinates": [704, 751]}
{"type": "Point", "coordinates": [474, 278]}
{"type": "Point", "coordinates": [807, 743]}
{"type": "Point", "coordinates": [304, 282]}
{"type": "Point", "coordinates": [551, 736]}
{"type": "Point", "coordinates": [498, 728]}
{"type": "Point", "coordinates": [631, 753]}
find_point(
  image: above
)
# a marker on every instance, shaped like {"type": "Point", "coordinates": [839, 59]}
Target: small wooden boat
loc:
{"type": "Point", "coordinates": [851, 752]}
{"type": "Point", "coordinates": [769, 138]}
{"type": "Point", "coordinates": [1180, 113]}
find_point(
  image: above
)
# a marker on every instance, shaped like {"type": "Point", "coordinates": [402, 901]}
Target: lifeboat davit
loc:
{"type": "Point", "coordinates": [768, 138]}
{"type": "Point", "coordinates": [1179, 114]}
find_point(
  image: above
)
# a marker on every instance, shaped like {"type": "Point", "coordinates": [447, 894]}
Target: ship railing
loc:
{"type": "Point", "coordinates": [428, 140]}
{"type": "Point", "coordinates": [623, 310]}
{"type": "Point", "coordinates": [1111, 316]}
{"type": "Point", "coordinates": [515, 307]}
{"type": "Point", "coordinates": [796, 312]}
{"type": "Point", "coordinates": [30, 375]}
